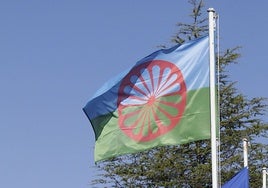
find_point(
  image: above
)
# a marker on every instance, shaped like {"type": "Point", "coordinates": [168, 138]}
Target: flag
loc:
{"type": "Point", "coordinates": [240, 180]}
{"type": "Point", "coordinates": [162, 100]}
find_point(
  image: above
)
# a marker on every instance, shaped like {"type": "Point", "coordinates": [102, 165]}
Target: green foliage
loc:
{"type": "Point", "coordinates": [189, 165]}
{"type": "Point", "coordinates": [196, 29]}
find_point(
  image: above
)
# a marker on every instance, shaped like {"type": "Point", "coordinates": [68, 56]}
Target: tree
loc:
{"type": "Point", "coordinates": [189, 165]}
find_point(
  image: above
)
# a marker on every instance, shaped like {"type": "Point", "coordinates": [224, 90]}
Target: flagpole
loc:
{"type": "Point", "coordinates": [245, 151]}
{"type": "Point", "coordinates": [264, 173]}
{"type": "Point", "coordinates": [214, 161]}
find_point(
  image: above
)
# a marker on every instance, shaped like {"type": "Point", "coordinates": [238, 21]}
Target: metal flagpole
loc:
{"type": "Point", "coordinates": [264, 172]}
{"type": "Point", "coordinates": [211, 14]}
{"type": "Point", "coordinates": [245, 149]}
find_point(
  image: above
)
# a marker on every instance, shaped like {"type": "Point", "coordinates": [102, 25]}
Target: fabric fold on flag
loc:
{"type": "Point", "coordinates": [162, 100]}
{"type": "Point", "coordinates": [240, 180]}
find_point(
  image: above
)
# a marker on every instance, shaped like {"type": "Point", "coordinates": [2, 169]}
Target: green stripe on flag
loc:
{"type": "Point", "coordinates": [193, 125]}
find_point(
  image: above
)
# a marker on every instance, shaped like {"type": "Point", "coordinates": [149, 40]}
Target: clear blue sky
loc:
{"type": "Point", "coordinates": [56, 54]}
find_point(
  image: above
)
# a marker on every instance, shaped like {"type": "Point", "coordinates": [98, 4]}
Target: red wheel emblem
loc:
{"type": "Point", "coordinates": [151, 101]}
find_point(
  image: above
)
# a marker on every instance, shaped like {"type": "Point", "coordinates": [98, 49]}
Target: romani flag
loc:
{"type": "Point", "coordinates": [162, 100]}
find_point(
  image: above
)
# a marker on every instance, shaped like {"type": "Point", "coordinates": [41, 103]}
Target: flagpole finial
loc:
{"type": "Point", "coordinates": [245, 151]}
{"type": "Point", "coordinates": [211, 10]}
{"type": "Point", "coordinates": [264, 173]}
